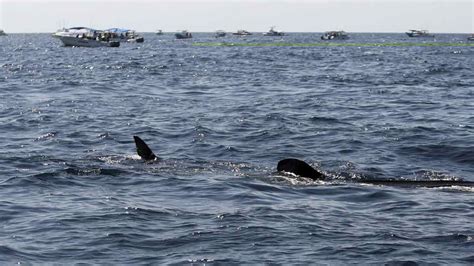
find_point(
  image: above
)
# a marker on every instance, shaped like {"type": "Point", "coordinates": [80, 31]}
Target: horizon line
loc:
{"type": "Point", "coordinates": [401, 44]}
{"type": "Point", "coordinates": [356, 32]}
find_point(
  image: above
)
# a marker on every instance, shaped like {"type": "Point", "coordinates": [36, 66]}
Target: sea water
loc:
{"type": "Point", "coordinates": [220, 113]}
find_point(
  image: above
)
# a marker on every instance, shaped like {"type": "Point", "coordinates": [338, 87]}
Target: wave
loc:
{"type": "Point", "coordinates": [458, 154]}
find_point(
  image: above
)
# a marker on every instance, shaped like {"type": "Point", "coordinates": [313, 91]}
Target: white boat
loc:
{"type": "Point", "coordinates": [471, 38]}
{"type": "Point", "coordinates": [124, 35]}
{"type": "Point", "coordinates": [219, 34]}
{"type": "Point", "coordinates": [183, 35]}
{"type": "Point", "coordinates": [242, 33]}
{"type": "Point", "coordinates": [2, 33]}
{"type": "Point", "coordinates": [75, 32]}
{"type": "Point", "coordinates": [335, 35]}
{"type": "Point", "coordinates": [419, 33]}
{"type": "Point", "coordinates": [85, 37]}
{"type": "Point", "coordinates": [273, 32]}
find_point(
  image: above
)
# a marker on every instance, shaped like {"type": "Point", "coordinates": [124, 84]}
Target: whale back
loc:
{"type": "Point", "coordinates": [299, 168]}
{"type": "Point", "coordinates": [303, 169]}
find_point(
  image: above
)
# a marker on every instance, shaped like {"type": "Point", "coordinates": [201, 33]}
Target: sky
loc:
{"type": "Point", "coordinates": [441, 16]}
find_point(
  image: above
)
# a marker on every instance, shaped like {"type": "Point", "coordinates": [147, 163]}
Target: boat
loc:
{"type": "Point", "coordinates": [85, 37]}
{"type": "Point", "coordinates": [219, 34]}
{"type": "Point", "coordinates": [471, 38]}
{"type": "Point", "coordinates": [273, 32]}
{"type": "Point", "coordinates": [124, 35]}
{"type": "Point", "coordinates": [183, 35]}
{"type": "Point", "coordinates": [2, 33]}
{"type": "Point", "coordinates": [242, 33]}
{"type": "Point", "coordinates": [335, 35]}
{"type": "Point", "coordinates": [159, 32]}
{"type": "Point", "coordinates": [75, 32]}
{"type": "Point", "coordinates": [419, 33]}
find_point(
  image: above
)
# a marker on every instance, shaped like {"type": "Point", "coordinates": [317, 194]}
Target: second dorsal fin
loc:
{"type": "Point", "coordinates": [300, 168]}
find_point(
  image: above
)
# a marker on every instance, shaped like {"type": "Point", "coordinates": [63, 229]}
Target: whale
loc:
{"type": "Point", "coordinates": [303, 169]}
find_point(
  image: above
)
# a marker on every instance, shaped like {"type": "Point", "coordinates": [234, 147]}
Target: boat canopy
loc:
{"type": "Point", "coordinates": [118, 30]}
{"type": "Point", "coordinates": [82, 28]}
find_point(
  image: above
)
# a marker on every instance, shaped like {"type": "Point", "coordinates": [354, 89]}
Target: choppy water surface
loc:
{"type": "Point", "coordinates": [73, 190]}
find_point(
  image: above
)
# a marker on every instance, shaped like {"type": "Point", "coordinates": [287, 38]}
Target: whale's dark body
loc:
{"type": "Point", "coordinates": [301, 168]}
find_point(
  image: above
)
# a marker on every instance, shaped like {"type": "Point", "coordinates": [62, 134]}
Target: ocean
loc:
{"type": "Point", "coordinates": [220, 116]}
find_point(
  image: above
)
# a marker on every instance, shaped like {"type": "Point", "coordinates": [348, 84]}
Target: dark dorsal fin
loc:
{"type": "Point", "coordinates": [300, 168]}
{"type": "Point", "coordinates": [143, 150]}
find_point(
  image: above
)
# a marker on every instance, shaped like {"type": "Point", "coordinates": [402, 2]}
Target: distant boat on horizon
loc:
{"type": "Point", "coordinates": [335, 35]}
{"type": "Point", "coordinates": [242, 33]}
{"type": "Point", "coordinates": [125, 35]}
{"type": "Point", "coordinates": [419, 33]}
{"type": "Point", "coordinates": [159, 32]}
{"type": "Point", "coordinates": [471, 38]}
{"type": "Point", "coordinates": [2, 33]}
{"type": "Point", "coordinates": [220, 34]}
{"type": "Point", "coordinates": [273, 32]}
{"type": "Point", "coordinates": [183, 35]}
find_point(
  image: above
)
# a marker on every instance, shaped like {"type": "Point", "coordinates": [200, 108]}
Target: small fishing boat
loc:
{"type": "Point", "coordinates": [85, 37]}
{"type": "Point", "coordinates": [273, 32]}
{"type": "Point", "coordinates": [2, 33]}
{"type": "Point", "coordinates": [419, 33]}
{"type": "Point", "coordinates": [335, 35]}
{"type": "Point", "coordinates": [242, 33]}
{"type": "Point", "coordinates": [124, 35]}
{"type": "Point", "coordinates": [183, 35]}
{"type": "Point", "coordinates": [219, 34]}
{"type": "Point", "coordinates": [159, 32]}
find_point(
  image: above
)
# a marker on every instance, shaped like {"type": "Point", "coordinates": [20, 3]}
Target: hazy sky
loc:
{"type": "Point", "coordinates": [230, 15]}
